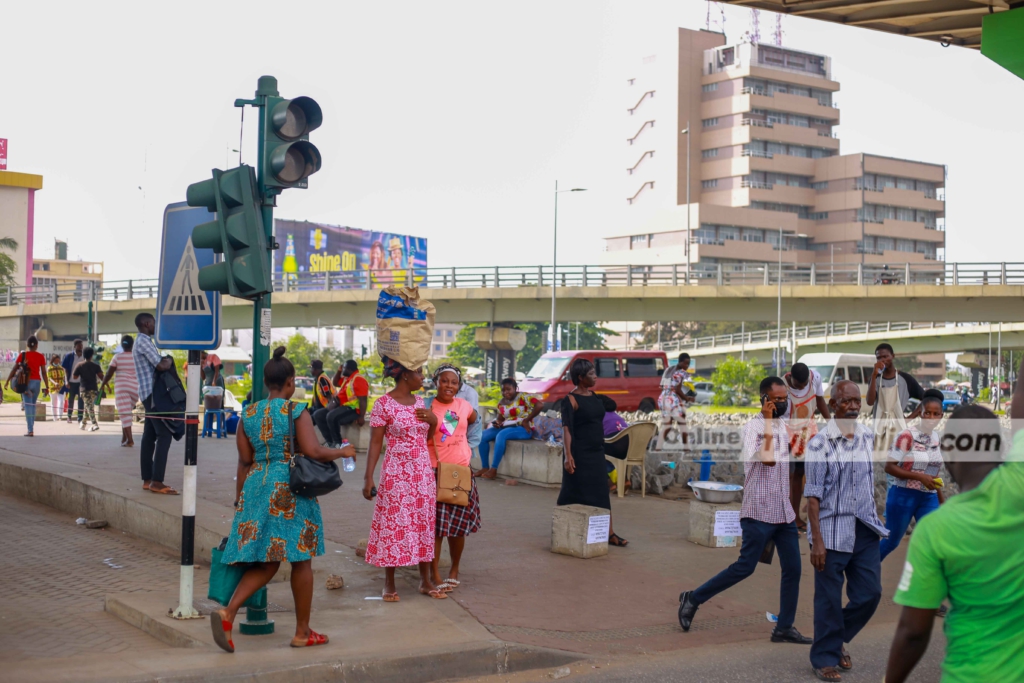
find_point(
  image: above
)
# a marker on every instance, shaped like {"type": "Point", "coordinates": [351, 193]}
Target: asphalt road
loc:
{"type": "Point", "coordinates": [767, 662]}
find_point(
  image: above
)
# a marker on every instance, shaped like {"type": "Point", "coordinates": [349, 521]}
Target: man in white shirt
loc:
{"type": "Point", "coordinates": [806, 394]}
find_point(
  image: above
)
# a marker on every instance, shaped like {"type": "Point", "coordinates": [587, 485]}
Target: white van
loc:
{"type": "Point", "coordinates": [832, 367]}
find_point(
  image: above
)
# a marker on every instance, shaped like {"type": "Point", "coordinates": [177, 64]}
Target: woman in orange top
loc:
{"type": "Point", "coordinates": [449, 444]}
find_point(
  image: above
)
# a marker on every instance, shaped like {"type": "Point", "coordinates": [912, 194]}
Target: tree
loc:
{"type": "Point", "coordinates": [7, 265]}
{"type": "Point", "coordinates": [736, 381]}
{"type": "Point", "coordinates": [300, 352]}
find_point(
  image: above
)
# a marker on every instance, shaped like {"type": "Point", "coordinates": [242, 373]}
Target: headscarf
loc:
{"type": "Point", "coordinates": [447, 367]}
{"type": "Point", "coordinates": [392, 368]}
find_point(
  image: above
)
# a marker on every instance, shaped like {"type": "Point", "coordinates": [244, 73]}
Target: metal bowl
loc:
{"type": "Point", "coordinates": [715, 491]}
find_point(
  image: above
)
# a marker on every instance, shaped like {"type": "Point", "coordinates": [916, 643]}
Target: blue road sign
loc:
{"type": "Point", "coordinates": [186, 316]}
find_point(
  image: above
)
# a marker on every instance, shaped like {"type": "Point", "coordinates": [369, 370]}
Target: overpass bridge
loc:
{"type": "Point", "coordinates": [917, 292]}
{"type": "Point", "coordinates": [853, 337]}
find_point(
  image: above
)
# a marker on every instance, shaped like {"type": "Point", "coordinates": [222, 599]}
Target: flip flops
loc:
{"type": "Point", "coordinates": [221, 628]}
{"type": "Point", "coordinates": [449, 585]}
{"type": "Point", "coordinates": [437, 593]}
{"type": "Point", "coordinates": [390, 597]}
{"type": "Point", "coordinates": [313, 640]}
{"type": "Point", "coordinates": [166, 490]}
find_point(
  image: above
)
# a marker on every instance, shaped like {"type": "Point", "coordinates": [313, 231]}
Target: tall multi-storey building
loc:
{"type": "Point", "coordinates": [763, 158]}
{"type": "Point", "coordinates": [63, 273]}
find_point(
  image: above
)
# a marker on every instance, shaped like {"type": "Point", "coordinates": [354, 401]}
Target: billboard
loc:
{"type": "Point", "coordinates": [337, 250]}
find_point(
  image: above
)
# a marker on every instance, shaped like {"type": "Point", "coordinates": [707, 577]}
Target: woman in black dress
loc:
{"type": "Point", "coordinates": [585, 481]}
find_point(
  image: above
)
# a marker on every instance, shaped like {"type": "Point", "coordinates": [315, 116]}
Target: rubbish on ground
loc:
{"type": "Point", "coordinates": [109, 562]}
{"type": "Point", "coordinates": [335, 581]}
{"type": "Point", "coordinates": [374, 598]}
{"type": "Point", "coordinates": [96, 524]}
{"type": "Point", "coordinates": [511, 482]}
{"type": "Point", "coordinates": [771, 617]}
{"type": "Point", "coordinates": [81, 520]}
{"type": "Point", "coordinates": [561, 672]}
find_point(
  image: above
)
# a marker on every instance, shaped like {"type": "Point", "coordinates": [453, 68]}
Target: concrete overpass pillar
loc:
{"type": "Point", "coordinates": [500, 345]}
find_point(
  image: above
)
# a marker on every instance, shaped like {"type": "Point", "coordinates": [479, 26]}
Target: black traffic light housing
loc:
{"type": "Point", "coordinates": [289, 158]}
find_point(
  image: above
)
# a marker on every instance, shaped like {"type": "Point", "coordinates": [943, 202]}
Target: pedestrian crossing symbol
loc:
{"type": "Point", "coordinates": [185, 297]}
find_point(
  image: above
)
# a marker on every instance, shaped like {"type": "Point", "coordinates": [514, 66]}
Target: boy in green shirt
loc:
{"type": "Point", "coordinates": [971, 551]}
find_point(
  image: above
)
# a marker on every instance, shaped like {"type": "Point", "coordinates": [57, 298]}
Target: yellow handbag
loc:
{"type": "Point", "coordinates": [454, 483]}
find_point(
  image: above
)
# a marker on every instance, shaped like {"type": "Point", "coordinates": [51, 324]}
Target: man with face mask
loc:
{"type": "Point", "coordinates": [766, 515]}
{"type": "Point", "coordinates": [845, 531]}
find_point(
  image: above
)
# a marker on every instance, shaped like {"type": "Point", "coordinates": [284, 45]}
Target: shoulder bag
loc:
{"type": "Point", "coordinates": [307, 477]}
{"type": "Point", "coordinates": [454, 483]}
{"type": "Point", "coordinates": [21, 375]}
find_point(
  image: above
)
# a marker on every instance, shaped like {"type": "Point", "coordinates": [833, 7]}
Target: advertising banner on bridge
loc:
{"type": "Point", "coordinates": [318, 249]}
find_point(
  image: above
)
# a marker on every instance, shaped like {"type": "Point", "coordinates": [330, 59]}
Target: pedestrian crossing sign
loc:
{"type": "Point", "coordinates": [186, 316]}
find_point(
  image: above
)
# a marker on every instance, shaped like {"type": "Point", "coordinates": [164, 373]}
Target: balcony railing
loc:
{"type": "Point", "coordinates": [756, 153]}
{"type": "Point", "coordinates": [745, 273]}
{"type": "Point", "coordinates": [756, 122]}
{"type": "Point", "coordinates": [756, 185]}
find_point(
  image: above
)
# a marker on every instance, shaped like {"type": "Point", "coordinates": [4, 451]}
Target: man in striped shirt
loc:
{"type": "Point", "coordinates": [156, 438]}
{"type": "Point", "coordinates": [845, 531]}
{"type": "Point", "coordinates": [766, 515]}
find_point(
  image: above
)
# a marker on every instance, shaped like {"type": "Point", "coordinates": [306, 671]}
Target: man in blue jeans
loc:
{"type": "Point", "coordinates": [766, 515]}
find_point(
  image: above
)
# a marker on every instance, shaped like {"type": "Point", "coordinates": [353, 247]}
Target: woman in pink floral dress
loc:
{"type": "Point", "coordinates": [402, 531]}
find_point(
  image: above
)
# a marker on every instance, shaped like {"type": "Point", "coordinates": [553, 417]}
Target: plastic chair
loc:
{"type": "Point", "coordinates": [640, 435]}
{"type": "Point", "coordinates": [216, 417]}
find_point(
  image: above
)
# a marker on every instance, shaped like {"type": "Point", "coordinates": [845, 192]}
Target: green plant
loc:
{"type": "Point", "coordinates": [8, 267]}
{"type": "Point", "coordinates": [735, 380]}
{"type": "Point", "coordinates": [985, 395]}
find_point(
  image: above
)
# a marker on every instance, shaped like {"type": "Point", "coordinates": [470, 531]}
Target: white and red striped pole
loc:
{"type": "Point", "coordinates": [193, 381]}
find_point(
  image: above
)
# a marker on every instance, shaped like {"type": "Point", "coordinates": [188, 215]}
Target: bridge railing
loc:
{"type": "Point", "coordinates": [747, 273]}
{"type": "Point", "coordinates": [787, 334]}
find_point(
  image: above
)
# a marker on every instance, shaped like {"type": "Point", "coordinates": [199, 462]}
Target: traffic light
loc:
{"type": "Point", "coordinates": [288, 155]}
{"type": "Point", "coordinates": [237, 233]}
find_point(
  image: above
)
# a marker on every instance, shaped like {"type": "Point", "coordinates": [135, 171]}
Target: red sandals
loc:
{"type": "Point", "coordinates": [314, 639]}
{"type": "Point", "coordinates": [221, 631]}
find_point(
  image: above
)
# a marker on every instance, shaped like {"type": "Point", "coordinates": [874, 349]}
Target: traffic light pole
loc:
{"type": "Point", "coordinates": [261, 316]}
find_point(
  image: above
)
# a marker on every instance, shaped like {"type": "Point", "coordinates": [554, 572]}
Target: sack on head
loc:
{"type": "Point", "coordinates": [405, 326]}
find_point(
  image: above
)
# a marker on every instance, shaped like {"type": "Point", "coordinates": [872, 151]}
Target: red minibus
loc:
{"type": "Point", "coordinates": [630, 378]}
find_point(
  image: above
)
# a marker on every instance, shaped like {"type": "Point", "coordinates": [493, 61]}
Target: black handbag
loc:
{"type": "Point", "coordinates": [307, 477]}
{"type": "Point", "coordinates": [19, 384]}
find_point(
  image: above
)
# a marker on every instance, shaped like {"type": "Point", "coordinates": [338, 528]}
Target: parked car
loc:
{"type": "Point", "coordinates": [705, 392]}
{"type": "Point", "coordinates": [856, 367]}
{"type": "Point", "coordinates": [630, 378]}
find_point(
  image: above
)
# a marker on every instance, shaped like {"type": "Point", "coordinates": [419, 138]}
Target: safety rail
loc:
{"type": "Point", "coordinates": [749, 273]}
{"type": "Point", "coordinates": [816, 332]}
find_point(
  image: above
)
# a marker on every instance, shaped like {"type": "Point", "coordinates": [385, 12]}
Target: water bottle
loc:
{"type": "Point", "coordinates": [551, 441]}
{"type": "Point", "coordinates": [348, 464]}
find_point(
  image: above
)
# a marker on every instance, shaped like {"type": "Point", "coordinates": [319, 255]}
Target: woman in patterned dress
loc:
{"type": "Point", "coordinates": [272, 525]}
{"type": "Point", "coordinates": [672, 402]}
{"type": "Point", "coordinates": [126, 387]}
{"type": "Point", "coordinates": [402, 531]}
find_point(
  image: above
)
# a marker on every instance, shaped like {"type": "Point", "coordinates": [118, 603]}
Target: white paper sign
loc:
{"type": "Point", "coordinates": [727, 523]}
{"type": "Point", "coordinates": [265, 327]}
{"type": "Point", "coordinates": [597, 531]}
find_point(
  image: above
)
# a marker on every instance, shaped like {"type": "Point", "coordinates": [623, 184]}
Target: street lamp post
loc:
{"type": "Point", "coordinates": [554, 261]}
{"type": "Point", "coordinates": [778, 321]}
{"type": "Point", "coordinates": [686, 132]}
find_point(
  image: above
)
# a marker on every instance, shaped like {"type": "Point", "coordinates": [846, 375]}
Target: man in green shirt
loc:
{"type": "Point", "coordinates": [971, 551]}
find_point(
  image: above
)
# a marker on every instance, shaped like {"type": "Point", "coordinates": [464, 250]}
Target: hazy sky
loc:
{"type": "Point", "coordinates": [449, 120]}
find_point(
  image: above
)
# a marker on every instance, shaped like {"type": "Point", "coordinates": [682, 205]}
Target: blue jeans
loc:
{"type": "Point", "coordinates": [499, 437]}
{"type": "Point", "coordinates": [29, 398]}
{"type": "Point", "coordinates": [833, 623]}
{"type": "Point", "coordinates": [902, 504]}
{"type": "Point", "coordinates": [755, 535]}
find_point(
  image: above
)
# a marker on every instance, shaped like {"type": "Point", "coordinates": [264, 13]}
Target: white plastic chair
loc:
{"type": "Point", "coordinates": [640, 435]}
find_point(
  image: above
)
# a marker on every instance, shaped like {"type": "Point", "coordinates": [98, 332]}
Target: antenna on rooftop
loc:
{"type": "Point", "coordinates": [778, 30]}
{"type": "Point", "coordinates": [754, 34]}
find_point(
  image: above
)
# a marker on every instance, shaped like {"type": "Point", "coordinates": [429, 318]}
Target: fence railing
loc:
{"type": "Point", "coordinates": [787, 334]}
{"type": "Point", "coordinates": [748, 273]}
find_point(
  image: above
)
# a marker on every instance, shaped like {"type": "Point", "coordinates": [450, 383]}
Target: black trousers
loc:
{"type": "Point", "coordinates": [330, 422]}
{"type": "Point", "coordinates": [74, 391]}
{"type": "Point", "coordinates": [156, 442]}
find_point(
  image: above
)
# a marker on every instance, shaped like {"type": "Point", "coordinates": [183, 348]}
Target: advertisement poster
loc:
{"type": "Point", "coordinates": [337, 250]}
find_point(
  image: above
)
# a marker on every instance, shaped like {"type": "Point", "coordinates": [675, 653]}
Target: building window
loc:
{"type": "Point", "coordinates": [885, 243]}
{"type": "Point", "coordinates": [905, 245]}
{"type": "Point", "coordinates": [753, 235]}
{"type": "Point", "coordinates": [448, 333]}
{"type": "Point", "coordinates": [709, 87]}
{"type": "Point", "coordinates": [818, 216]}
{"type": "Point", "coordinates": [709, 123]}
{"type": "Point", "coordinates": [437, 334]}
{"type": "Point", "coordinates": [709, 184]}
{"type": "Point", "coordinates": [823, 185]}
{"type": "Point", "coordinates": [437, 348]}
{"type": "Point", "coordinates": [638, 241]}
{"type": "Point", "coordinates": [709, 153]}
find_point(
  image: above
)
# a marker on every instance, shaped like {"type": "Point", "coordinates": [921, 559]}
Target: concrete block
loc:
{"type": "Point", "coordinates": [702, 525]}
{"type": "Point", "coordinates": [42, 410]}
{"type": "Point", "coordinates": [107, 412]}
{"type": "Point", "coordinates": [530, 461]}
{"type": "Point", "coordinates": [357, 436]}
{"type": "Point", "coordinates": [569, 526]}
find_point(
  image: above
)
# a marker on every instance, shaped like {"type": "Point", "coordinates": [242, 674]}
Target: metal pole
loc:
{"type": "Point", "coordinates": [185, 609]}
{"type": "Point", "coordinates": [659, 335]}
{"type": "Point", "coordinates": [689, 235]}
{"type": "Point", "coordinates": [743, 340]}
{"type": "Point", "coordinates": [261, 317]}
{"type": "Point", "coordinates": [999, 365]}
{"type": "Point", "coordinates": [554, 270]}
{"type": "Point", "coordinates": [778, 321]}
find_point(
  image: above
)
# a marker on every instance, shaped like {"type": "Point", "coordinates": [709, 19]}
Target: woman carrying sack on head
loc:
{"type": "Point", "coordinates": [273, 525]}
{"type": "Point", "coordinates": [27, 376]}
{"type": "Point", "coordinates": [449, 456]}
{"type": "Point", "coordinates": [402, 530]}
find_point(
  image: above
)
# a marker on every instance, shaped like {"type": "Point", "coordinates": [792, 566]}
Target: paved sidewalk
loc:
{"type": "Point", "coordinates": [54, 575]}
{"type": "Point", "coordinates": [624, 603]}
